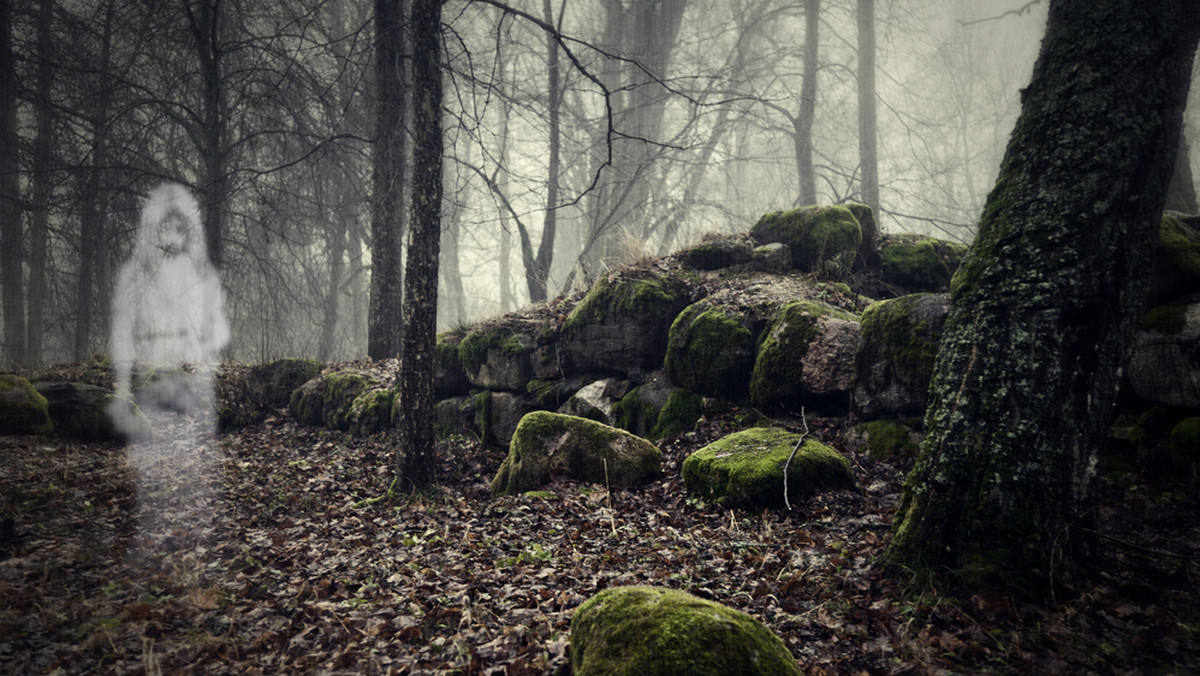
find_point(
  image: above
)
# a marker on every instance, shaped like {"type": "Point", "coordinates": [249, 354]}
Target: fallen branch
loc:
{"type": "Point", "coordinates": [787, 465]}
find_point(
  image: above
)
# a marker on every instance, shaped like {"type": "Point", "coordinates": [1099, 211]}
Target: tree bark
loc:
{"type": "Point", "coordinates": [1046, 303]}
{"type": "Point", "coordinates": [416, 466]}
{"type": "Point", "coordinates": [386, 323]}
{"type": "Point", "coordinates": [39, 224]}
{"type": "Point", "coordinates": [539, 277]}
{"type": "Point", "coordinates": [204, 22]}
{"type": "Point", "coordinates": [868, 153]}
{"type": "Point", "coordinates": [12, 246]}
{"type": "Point", "coordinates": [803, 123]}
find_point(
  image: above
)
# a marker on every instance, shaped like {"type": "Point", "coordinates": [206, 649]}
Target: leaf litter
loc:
{"type": "Point", "coordinates": [267, 551]}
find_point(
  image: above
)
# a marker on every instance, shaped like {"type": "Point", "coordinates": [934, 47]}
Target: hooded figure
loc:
{"type": "Point", "coordinates": [168, 308]}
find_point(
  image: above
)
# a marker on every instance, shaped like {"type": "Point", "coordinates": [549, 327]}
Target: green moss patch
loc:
{"type": "Point", "coordinates": [371, 411]}
{"type": "Point", "coordinates": [341, 389]}
{"type": "Point", "coordinates": [710, 350]}
{"type": "Point", "coordinates": [821, 238]}
{"type": "Point", "coordinates": [919, 263]}
{"type": "Point", "coordinates": [653, 631]}
{"type": "Point", "coordinates": [889, 439]}
{"type": "Point", "coordinates": [678, 415]}
{"type": "Point", "coordinates": [776, 378]}
{"type": "Point", "coordinates": [22, 409]}
{"type": "Point", "coordinates": [1165, 319]}
{"type": "Point", "coordinates": [745, 469]}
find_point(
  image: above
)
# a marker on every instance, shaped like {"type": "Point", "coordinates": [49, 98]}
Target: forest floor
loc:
{"type": "Point", "coordinates": [266, 551]}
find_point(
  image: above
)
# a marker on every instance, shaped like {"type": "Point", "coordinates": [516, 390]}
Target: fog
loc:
{"type": "Point", "coordinates": [664, 121]}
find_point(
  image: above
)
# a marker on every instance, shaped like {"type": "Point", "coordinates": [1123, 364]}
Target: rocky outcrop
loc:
{"type": "Point", "coordinates": [804, 359]}
{"type": "Point", "coordinates": [263, 389]}
{"type": "Point", "coordinates": [547, 444]}
{"type": "Point", "coordinates": [916, 263]}
{"type": "Point", "coordinates": [663, 632]}
{"type": "Point", "coordinates": [894, 363]}
{"type": "Point", "coordinates": [22, 409]}
{"type": "Point", "coordinates": [81, 411]}
{"type": "Point", "coordinates": [710, 349]}
{"type": "Point", "coordinates": [745, 469]}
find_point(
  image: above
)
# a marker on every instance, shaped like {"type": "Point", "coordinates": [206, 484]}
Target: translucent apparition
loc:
{"type": "Point", "coordinates": [168, 318]}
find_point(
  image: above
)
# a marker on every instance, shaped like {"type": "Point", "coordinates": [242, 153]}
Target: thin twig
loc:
{"type": "Point", "coordinates": [612, 520]}
{"type": "Point", "coordinates": [788, 464]}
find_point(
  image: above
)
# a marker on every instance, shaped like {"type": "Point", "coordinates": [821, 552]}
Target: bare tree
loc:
{"type": "Point", "coordinates": [11, 235]}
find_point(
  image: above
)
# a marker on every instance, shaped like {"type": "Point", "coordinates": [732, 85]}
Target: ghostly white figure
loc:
{"type": "Point", "coordinates": [168, 309]}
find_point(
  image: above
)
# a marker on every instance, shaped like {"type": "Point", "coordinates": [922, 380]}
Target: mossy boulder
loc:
{"type": "Point", "coordinates": [622, 323]}
{"type": "Point", "coordinates": [745, 469]}
{"type": "Point", "coordinates": [82, 411]}
{"type": "Point", "coordinates": [919, 263]}
{"type": "Point", "coordinates": [496, 358]}
{"type": "Point", "coordinates": [710, 350]}
{"type": "Point", "coordinates": [547, 444]}
{"type": "Point", "coordinates": [550, 394]}
{"type": "Point", "coordinates": [821, 238]}
{"type": "Point", "coordinates": [774, 258]}
{"type": "Point", "coordinates": [22, 409]}
{"type": "Point", "coordinates": [597, 400]}
{"type": "Point", "coordinates": [805, 359]}
{"type": "Point", "coordinates": [895, 358]}
{"type": "Point", "coordinates": [1175, 269]}
{"type": "Point", "coordinates": [449, 376]}
{"type": "Point", "coordinates": [678, 415]}
{"type": "Point", "coordinates": [1185, 449]}
{"type": "Point", "coordinates": [652, 631]}
{"type": "Point", "coordinates": [246, 399]}
{"type": "Point", "coordinates": [1164, 365]}
{"type": "Point", "coordinates": [453, 415]}
{"type": "Point", "coordinates": [657, 408]}
{"type": "Point", "coordinates": [715, 253]}
{"type": "Point", "coordinates": [341, 389]}
{"type": "Point", "coordinates": [371, 411]}
{"type": "Point", "coordinates": [307, 404]}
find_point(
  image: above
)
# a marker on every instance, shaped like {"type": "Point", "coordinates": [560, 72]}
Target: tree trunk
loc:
{"type": "Point", "coordinates": [386, 323]}
{"type": "Point", "coordinates": [416, 466]}
{"type": "Point", "coordinates": [39, 225]}
{"type": "Point", "coordinates": [540, 279]}
{"type": "Point", "coordinates": [1045, 304]}
{"type": "Point", "coordinates": [205, 25]}
{"type": "Point", "coordinates": [868, 154]}
{"type": "Point", "coordinates": [808, 105]}
{"type": "Point", "coordinates": [12, 245]}
{"type": "Point", "coordinates": [1181, 196]}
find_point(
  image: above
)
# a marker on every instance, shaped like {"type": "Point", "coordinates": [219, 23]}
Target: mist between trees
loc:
{"type": "Point", "coordinates": [578, 136]}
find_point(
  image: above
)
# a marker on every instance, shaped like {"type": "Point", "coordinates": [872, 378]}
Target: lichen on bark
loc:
{"type": "Point", "coordinates": [1046, 302]}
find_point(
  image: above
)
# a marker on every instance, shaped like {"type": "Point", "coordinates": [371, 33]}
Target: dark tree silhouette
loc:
{"type": "Point", "coordinates": [1048, 299]}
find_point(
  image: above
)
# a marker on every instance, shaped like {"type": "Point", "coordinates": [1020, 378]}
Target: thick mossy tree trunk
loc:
{"type": "Point", "coordinates": [1047, 300]}
{"type": "Point", "coordinates": [416, 462]}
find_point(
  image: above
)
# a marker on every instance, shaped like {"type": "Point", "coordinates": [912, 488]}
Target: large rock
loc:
{"type": "Point", "coordinates": [894, 362]}
{"type": "Point", "coordinates": [806, 359]}
{"type": "Point", "coordinates": [597, 400]}
{"type": "Point", "coordinates": [821, 238]}
{"type": "Point", "coordinates": [1175, 269]}
{"type": "Point", "coordinates": [82, 411]}
{"type": "Point", "coordinates": [22, 409]}
{"type": "Point", "coordinates": [745, 469]}
{"type": "Point", "coordinates": [657, 408]}
{"type": "Point", "coordinates": [622, 323]}
{"type": "Point", "coordinates": [247, 399]}
{"type": "Point", "coordinates": [341, 389]}
{"type": "Point", "coordinates": [710, 349]}
{"type": "Point", "coordinates": [449, 376]}
{"type": "Point", "coordinates": [652, 631]}
{"type": "Point", "coordinates": [371, 411]}
{"type": "Point", "coordinates": [1164, 364]}
{"type": "Point", "coordinates": [919, 263]}
{"type": "Point", "coordinates": [307, 404]}
{"type": "Point", "coordinates": [715, 253]}
{"type": "Point", "coordinates": [546, 444]}
{"type": "Point", "coordinates": [497, 358]}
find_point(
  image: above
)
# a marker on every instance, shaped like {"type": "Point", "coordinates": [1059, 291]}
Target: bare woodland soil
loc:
{"type": "Point", "coordinates": [262, 551]}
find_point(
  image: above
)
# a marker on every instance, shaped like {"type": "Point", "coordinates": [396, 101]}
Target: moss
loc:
{"type": "Point", "coordinates": [632, 415]}
{"type": "Point", "coordinates": [484, 416]}
{"type": "Point", "coordinates": [716, 254]}
{"type": "Point", "coordinates": [1165, 319]}
{"type": "Point", "coordinates": [778, 365]}
{"type": "Point", "coordinates": [1185, 448]}
{"type": "Point", "coordinates": [889, 439]}
{"type": "Point", "coordinates": [1177, 253]}
{"type": "Point", "coordinates": [710, 351]}
{"type": "Point", "coordinates": [678, 415]}
{"type": "Point", "coordinates": [307, 404]}
{"type": "Point", "coordinates": [371, 411]}
{"type": "Point", "coordinates": [893, 329]}
{"type": "Point", "coordinates": [821, 239]}
{"type": "Point", "coordinates": [626, 299]}
{"type": "Point", "coordinates": [745, 469]}
{"type": "Point", "coordinates": [23, 410]}
{"type": "Point", "coordinates": [580, 448]}
{"type": "Point", "coordinates": [659, 632]}
{"type": "Point", "coordinates": [919, 263]}
{"type": "Point", "coordinates": [341, 389]}
{"type": "Point", "coordinates": [473, 350]}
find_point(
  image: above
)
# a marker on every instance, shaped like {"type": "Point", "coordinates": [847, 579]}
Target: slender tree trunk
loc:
{"type": "Point", "coordinates": [808, 105]}
{"type": "Point", "coordinates": [868, 154]}
{"type": "Point", "coordinates": [1046, 303]}
{"type": "Point", "coordinates": [415, 457]}
{"type": "Point", "coordinates": [336, 233]}
{"type": "Point", "coordinates": [385, 325]}
{"type": "Point", "coordinates": [540, 279]}
{"type": "Point", "coordinates": [92, 217]}
{"type": "Point", "coordinates": [206, 28]}
{"type": "Point", "coordinates": [12, 246]}
{"type": "Point", "coordinates": [39, 225]}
